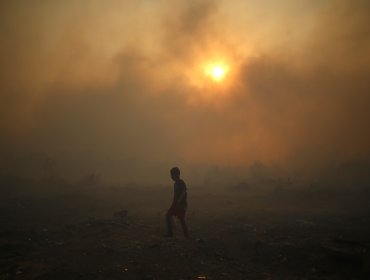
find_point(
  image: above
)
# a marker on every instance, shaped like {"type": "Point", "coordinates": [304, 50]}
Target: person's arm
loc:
{"type": "Point", "coordinates": [181, 197]}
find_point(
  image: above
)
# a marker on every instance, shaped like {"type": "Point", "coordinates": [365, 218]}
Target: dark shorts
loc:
{"type": "Point", "coordinates": [177, 212]}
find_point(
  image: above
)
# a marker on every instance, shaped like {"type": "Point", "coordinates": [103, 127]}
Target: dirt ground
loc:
{"type": "Point", "coordinates": [118, 233]}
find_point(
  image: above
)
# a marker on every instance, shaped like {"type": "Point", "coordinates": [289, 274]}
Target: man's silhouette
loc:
{"type": "Point", "coordinates": [179, 204]}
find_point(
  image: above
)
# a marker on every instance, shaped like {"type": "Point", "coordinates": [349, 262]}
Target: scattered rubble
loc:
{"type": "Point", "coordinates": [128, 244]}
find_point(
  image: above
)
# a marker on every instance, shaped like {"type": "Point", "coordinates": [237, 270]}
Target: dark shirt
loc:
{"type": "Point", "coordinates": [179, 187]}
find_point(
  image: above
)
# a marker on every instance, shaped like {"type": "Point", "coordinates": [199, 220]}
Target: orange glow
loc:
{"type": "Point", "coordinates": [217, 72]}
{"type": "Point", "coordinates": [211, 74]}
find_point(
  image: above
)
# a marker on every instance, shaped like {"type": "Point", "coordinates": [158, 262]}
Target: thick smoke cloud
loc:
{"type": "Point", "coordinates": [113, 89]}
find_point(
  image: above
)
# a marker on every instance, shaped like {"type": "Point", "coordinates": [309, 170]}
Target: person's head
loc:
{"type": "Point", "coordinates": [175, 173]}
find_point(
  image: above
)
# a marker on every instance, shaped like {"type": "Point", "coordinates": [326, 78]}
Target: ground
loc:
{"type": "Point", "coordinates": [118, 233]}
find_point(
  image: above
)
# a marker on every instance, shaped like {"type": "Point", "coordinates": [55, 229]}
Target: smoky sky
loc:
{"type": "Point", "coordinates": [112, 87]}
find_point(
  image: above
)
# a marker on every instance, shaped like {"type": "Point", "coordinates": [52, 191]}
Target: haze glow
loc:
{"type": "Point", "coordinates": [132, 87]}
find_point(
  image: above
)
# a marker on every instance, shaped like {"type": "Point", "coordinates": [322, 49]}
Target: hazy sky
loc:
{"type": "Point", "coordinates": [119, 88]}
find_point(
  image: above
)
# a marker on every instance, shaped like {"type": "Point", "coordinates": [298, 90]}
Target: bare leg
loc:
{"type": "Point", "coordinates": [184, 227]}
{"type": "Point", "coordinates": [169, 224]}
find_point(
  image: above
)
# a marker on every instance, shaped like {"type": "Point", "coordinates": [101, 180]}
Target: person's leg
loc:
{"type": "Point", "coordinates": [184, 227]}
{"type": "Point", "coordinates": [169, 223]}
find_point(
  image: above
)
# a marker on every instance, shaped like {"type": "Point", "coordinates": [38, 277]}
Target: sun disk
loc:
{"type": "Point", "coordinates": [216, 72]}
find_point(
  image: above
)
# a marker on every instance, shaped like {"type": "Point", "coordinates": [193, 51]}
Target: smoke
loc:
{"type": "Point", "coordinates": [113, 88]}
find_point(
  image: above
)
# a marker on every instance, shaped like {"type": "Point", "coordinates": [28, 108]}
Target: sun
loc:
{"type": "Point", "coordinates": [216, 75]}
{"type": "Point", "coordinates": [217, 72]}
